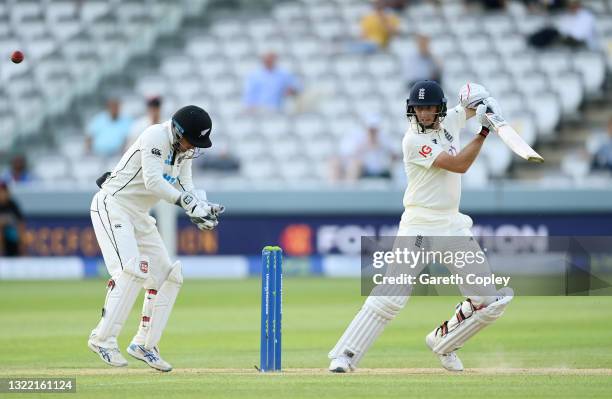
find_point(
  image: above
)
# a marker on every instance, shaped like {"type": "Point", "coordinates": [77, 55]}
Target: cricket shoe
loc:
{"type": "Point", "coordinates": [340, 364]}
{"type": "Point", "coordinates": [150, 357]}
{"type": "Point", "coordinates": [110, 356]}
{"type": "Point", "coordinates": [450, 361]}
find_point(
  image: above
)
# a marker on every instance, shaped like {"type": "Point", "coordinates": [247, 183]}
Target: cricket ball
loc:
{"type": "Point", "coordinates": [17, 57]}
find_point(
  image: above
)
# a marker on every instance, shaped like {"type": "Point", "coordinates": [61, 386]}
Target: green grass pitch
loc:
{"type": "Point", "coordinates": [554, 347]}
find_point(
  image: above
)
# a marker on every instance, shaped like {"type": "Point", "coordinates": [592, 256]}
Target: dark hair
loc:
{"type": "Point", "coordinates": [154, 101]}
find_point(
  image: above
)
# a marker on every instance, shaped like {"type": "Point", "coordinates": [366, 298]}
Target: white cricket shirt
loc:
{"type": "Point", "coordinates": [149, 171]}
{"type": "Point", "coordinates": [429, 187]}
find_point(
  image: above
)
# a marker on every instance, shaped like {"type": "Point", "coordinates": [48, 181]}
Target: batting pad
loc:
{"type": "Point", "coordinates": [367, 326]}
{"type": "Point", "coordinates": [119, 302]}
{"type": "Point", "coordinates": [469, 327]}
{"type": "Point", "coordinates": [162, 306]}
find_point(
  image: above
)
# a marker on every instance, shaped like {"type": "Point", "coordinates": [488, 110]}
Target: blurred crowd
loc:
{"type": "Point", "coordinates": [271, 88]}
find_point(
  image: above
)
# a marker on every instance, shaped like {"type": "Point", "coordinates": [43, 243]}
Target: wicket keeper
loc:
{"type": "Point", "coordinates": [156, 167]}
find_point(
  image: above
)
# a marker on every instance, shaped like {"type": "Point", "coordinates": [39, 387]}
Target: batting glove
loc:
{"type": "Point", "coordinates": [481, 115]}
{"type": "Point", "coordinates": [472, 94]}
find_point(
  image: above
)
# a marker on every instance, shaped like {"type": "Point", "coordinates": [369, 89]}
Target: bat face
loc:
{"type": "Point", "coordinates": [513, 140]}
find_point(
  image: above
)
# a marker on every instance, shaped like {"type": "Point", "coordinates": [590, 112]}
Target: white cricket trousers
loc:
{"type": "Point", "coordinates": [126, 235]}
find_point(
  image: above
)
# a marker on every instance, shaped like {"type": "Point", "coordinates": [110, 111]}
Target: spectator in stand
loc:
{"type": "Point", "coordinates": [575, 29]}
{"type": "Point", "coordinates": [421, 64]}
{"type": "Point", "coordinates": [108, 131]}
{"type": "Point", "coordinates": [602, 160]}
{"type": "Point", "coordinates": [152, 117]}
{"type": "Point", "coordinates": [397, 5]}
{"type": "Point", "coordinates": [12, 226]}
{"type": "Point", "coordinates": [267, 88]}
{"type": "Point", "coordinates": [18, 171]}
{"type": "Point", "coordinates": [365, 154]}
{"type": "Point", "coordinates": [491, 5]}
{"type": "Point", "coordinates": [377, 28]}
{"type": "Point", "coordinates": [545, 5]}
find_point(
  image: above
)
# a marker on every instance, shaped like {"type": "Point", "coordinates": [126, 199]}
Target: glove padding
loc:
{"type": "Point", "coordinates": [202, 213]}
{"type": "Point", "coordinates": [205, 223]}
{"type": "Point", "coordinates": [472, 94]}
{"type": "Point", "coordinates": [481, 115]}
{"type": "Point", "coordinates": [493, 106]}
{"type": "Point", "coordinates": [211, 221]}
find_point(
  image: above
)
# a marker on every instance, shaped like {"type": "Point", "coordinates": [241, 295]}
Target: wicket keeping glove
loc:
{"type": "Point", "coordinates": [210, 222]}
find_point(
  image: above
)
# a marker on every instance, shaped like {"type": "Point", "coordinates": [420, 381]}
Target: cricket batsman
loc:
{"type": "Point", "coordinates": [156, 167]}
{"type": "Point", "coordinates": [434, 163]}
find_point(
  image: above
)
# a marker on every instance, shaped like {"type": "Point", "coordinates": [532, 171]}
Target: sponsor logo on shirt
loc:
{"type": "Point", "coordinates": [144, 266]}
{"type": "Point", "coordinates": [448, 136]}
{"type": "Point", "coordinates": [425, 151]}
{"type": "Point", "coordinates": [156, 152]}
{"type": "Point", "coordinates": [452, 150]}
{"type": "Point", "coordinates": [169, 178]}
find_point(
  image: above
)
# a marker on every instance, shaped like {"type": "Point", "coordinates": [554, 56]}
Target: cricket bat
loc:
{"type": "Point", "coordinates": [512, 139]}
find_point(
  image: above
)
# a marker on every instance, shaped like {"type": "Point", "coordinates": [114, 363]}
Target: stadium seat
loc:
{"type": "Point", "coordinates": [524, 125]}
{"type": "Point", "coordinates": [152, 85]}
{"type": "Point", "coordinates": [443, 45]}
{"type": "Point", "coordinates": [296, 170]}
{"type": "Point", "coordinates": [236, 48]}
{"type": "Point", "coordinates": [262, 29]}
{"type": "Point", "coordinates": [477, 176]}
{"type": "Point", "coordinates": [177, 67]}
{"type": "Point", "coordinates": [203, 48]}
{"type": "Point", "coordinates": [275, 127]}
{"type": "Point", "coordinates": [381, 65]}
{"type": "Point", "coordinates": [60, 10]}
{"type": "Point", "coordinates": [498, 156]}
{"type": "Point", "coordinates": [593, 69]}
{"type": "Point", "coordinates": [259, 168]}
{"type": "Point", "coordinates": [484, 64]}
{"type": "Point", "coordinates": [320, 148]}
{"type": "Point", "coordinates": [570, 89]}
{"type": "Point", "coordinates": [288, 12]}
{"type": "Point", "coordinates": [87, 169]}
{"type": "Point", "coordinates": [498, 25]}
{"type": "Point", "coordinates": [284, 150]}
{"type": "Point", "coordinates": [307, 126]}
{"type": "Point", "coordinates": [548, 112]}
{"type": "Point", "coordinates": [51, 168]}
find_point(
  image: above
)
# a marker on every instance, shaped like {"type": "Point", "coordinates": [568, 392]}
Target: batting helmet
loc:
{"type": "Point", "coordinates": [193, 123]}
{"type": "Point", "coordinates": [426, 92]}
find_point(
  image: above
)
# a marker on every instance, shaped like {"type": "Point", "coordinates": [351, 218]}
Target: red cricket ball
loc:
{"type": "Point", "coordinates": [17, 56]}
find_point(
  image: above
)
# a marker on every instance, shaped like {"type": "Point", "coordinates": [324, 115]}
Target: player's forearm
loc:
{"type": "Point", "coordinates": [161, 188]}
{"type": "Point", "coordinates": [467, 156]}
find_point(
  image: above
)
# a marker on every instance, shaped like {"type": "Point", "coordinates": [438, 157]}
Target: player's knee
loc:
{"type": "Point", "coordinates": [176, 273]}
{"type": "Point", "coordinates": [139, 268]}
{"type": "Point", "coordinates": [386, 306]}
{"type": "Point", "coordinates": [487, 300]}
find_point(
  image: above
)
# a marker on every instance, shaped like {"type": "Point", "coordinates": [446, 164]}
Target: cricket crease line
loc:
{"type": "Point", "coordinates": [67, 372]}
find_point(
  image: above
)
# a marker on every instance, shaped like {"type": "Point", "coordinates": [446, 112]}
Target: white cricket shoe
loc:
{"type": "Point", "coordinates": [340, 364]}
{"type": "Point", "coordinates": [150, 357]}
{"type": "Point", "coordinates": [110, 356]}
{"type": "Point", "coordinates": [450, 361]}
